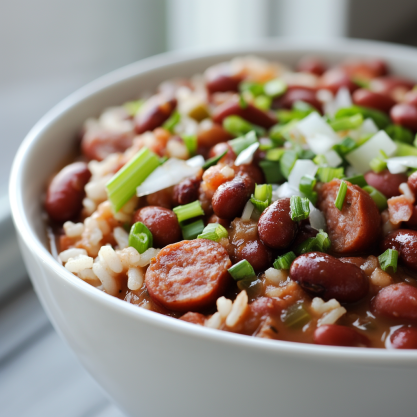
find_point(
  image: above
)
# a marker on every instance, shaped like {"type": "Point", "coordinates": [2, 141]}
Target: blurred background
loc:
{"type": "Point", "coordinates": [49, 48]}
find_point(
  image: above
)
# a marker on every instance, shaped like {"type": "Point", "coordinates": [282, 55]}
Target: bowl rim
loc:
{"type": "Point", "coordinates": [295, 349]}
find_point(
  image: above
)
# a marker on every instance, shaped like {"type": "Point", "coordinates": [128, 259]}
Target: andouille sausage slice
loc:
{"type": "Point", "coordinates": [357, 226]}
{"type": "Point", "coordinates": [188, 275]}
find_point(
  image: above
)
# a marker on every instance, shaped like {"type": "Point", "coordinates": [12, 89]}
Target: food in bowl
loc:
{"type": "Point", "coordinates": [254, 199]}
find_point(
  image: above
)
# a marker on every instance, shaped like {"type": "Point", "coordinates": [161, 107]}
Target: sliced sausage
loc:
{"type": "Point", "coordinates": [385, 182]}
{"type": "Point", "coordinates": [154, 113]}
{"type": "Point", "coordinates": [162, 223]}
{"type": "Point", "coordinates": [404, 338]}
{"type": "Point", "coordinates": [336, 335]}
{"type": "Point", "coordinates": [396, 302]}
{"type": "Point", "coordinates": [322, 275]}
{"type": "Point", "coordinates": [66, 192]}
{"type": "Point", "coordinates": [357, 226]}
{"type": "Point", "coordinates": [275, 227]}
{"type": "Point", "coordinates": [405, 242]}
{"type": "Point", "coordinates": [189, 275]}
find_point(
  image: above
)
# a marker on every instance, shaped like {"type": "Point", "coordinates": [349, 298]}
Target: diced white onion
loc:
{"type": "Point", "coordinates": [400, 164]}
{"type": "Point", "coordinates": [196, 161]}
{"type": "Point", "coordinates": [340, 101]}
{"type": "Point", "coordinates": [320, 144]}
{"type": "Point", "coordinates": [314, 124]}
{"type": "Point", "coordinates": [170, 173]}
{"type": "Point", "coordinates": [333, 159]}
{"type": "Point", "coordinates": [360, 157]}
{"type": "Point", "coordinates": [285, 190]}
{"type": "Point", "coordinates": [368, 127]}
{"type": "Point", "coordinates": [316, 217]}
{"type": "Point", "coordinates": [246, 156]}
{"type": "Point", "coordinates": [247, 211]}
{"type": "Point", "coordinates": [302, 167]}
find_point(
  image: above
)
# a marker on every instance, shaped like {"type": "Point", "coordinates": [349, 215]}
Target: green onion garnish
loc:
{"type": "Point", "coordinates": [242, 102]}
{"type": "Point", "coordinates": [405, 150]}
{"type": "Point", "coordinates": [377, 164]}
{"type": "Point", "coordinates": [347, 145]}
{"type": "Point", "coordinates": [280, 132]}
{"type": "Point", "coordinates": [307, 184]}
{"type": "Point", "coordinates": [213, 231]}
{"type": "Point", "coordinates": [275, 87]}
{"type": "Point", "coordinates": [274, 154]}
{"type": "Point", "coordinates": [140, 237]}
{"type": "Point", "coordinates": [284, 261]}
{"type": "Point", "coordinates": [213, 161]}
{"type": "Point", "coordinates": [341, 194]}
{"type": "Point", "coordinates": [263, 102]}
{"type": "Point", "coordinates": [381, 119]}
{"type": "Point", "coordinates": [347, 123]}
{"type": "Point", "coordinates": [243, 142]}
{"type": "Point", "coordinates": [400, 134]}
{"type": "Point", "coordinates": [299, 208]}
{"type": "Point", "coordinates": [242, 271]}
{"type": "Point", "coordinates": [326, 174]}
{"type": "Point", "coordinates": [378, 197]}
{"type": "Point", "coordinates": [188, 211]}
{"type": "Point", "coordinates": [132, 107]}
{"type": "Point", "coordinates": [172, 121]}
{"type": "Point", "coordinates": [389, 259]}
{"type": "Point", "coordinates": [320, 160]}
{"type": "Point", "coordinates": [262, 197]}
{"type": "Point", "coordinates": [319, 243]}
{"type": "Point", "coordinates": [190, 142]}
{"type": "Point", "coordinates": [192, 230]}
{"type": "Point", "coordinates": [122, 186]}
{"type": "Point", "coordinates": [237, 126]}
{"type": "Point", "coordinates": [357, 180]}
{"type": "Point", "coordinates": [295, 316]}
{"type": "Point", "coordinates": [272, 171]}
{"type": "Point", "coordinates": [254, 88]}
{"type": "Point", "coordinates": [287, 162]}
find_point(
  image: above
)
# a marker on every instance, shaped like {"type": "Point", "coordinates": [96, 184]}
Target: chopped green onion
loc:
{"type": "Point", "coordinates": [284, 261]}
{"type": "Point", "coordinates": [377, 164]}
{"type": "Point", "coordinates": [378, 197]}
{"type": "Point", "coordinates": [252, 287]}
{"type": "Point", "coordinates": [279, 133]}
{"type": "Point", "coordinates": [405, 150]}
{"type": "Point", "coordinates": [272, 171]}
{"type": "Point", "coordinates": [192, 230]}
{"type": "Point", "coordinates": [306, 154]}
{"type": "Point", "coordinates": [295, 316]}
{"type": "Point", "coordinates": [263, 102]}
{"type": "Point", "coordinates": [307, 184]}
{"type": "Point", "coordinates": [237, 126]}
{"type": "Point", "coordinates": [347, 145]}
{"type": "Point", "coordinates": [213, 161]}
{"type": "Point", "coordinates": [326, 174]}
{"type": "Point", "coordinates": [254, 88]}
{"type": "Point", "coordinates": [287, 162]}
{"type": "Point", "coordinates": [347, 123]}
{"type": "Point", "coordinates": [262, 197]}
{"type": "Point", "coordinates": [361, 82]}
{"type": "Point", "coordinates": [242, 102]}
{"type": "Point", "coordinates": [140, 237]}
{"type": "Point", "coordinates": [341, 194]}
{"type": "Point", "coordinates": [172, 121]}
{"type": "Point", "coordinates": [399, 133]}
{"type": "Point", "coordinates": [122, 186]}
{"type": "Point", "coordinates": [320, 160]}
{"type": "Point", "coordinates": [381, 119]}
{"type": "Point", "coordinates": [243, 270]}
{"type": "Point", "coordinates": [132, 107]}
{"type": "Point", "coordinates": [243, 142]}
{"type": "Point", "coordinates": [188, 211]}
{"type": "Point", "coordinates": [303, 106]}
{"type": "Point", "coordinates": [357, 180]}
{"type": "Point", "coordinates": [274, 154]}
{"type": "Point", "coordinates": [319, 243]}
{"type": "Point", "coordinates": [213, 231]}
{"type": "Point", "coordinates": [299, 208]}
{"type": "Point", "coordinates": [275, 87]}
{"type": "Point", "coordinates": [415, 141]}
{"type": "Point", "coordinates": [389, 259]}
{"type": "Point", "coordinates": [190, 142]}
{"type": "Point", "coordinates": [266, 144]}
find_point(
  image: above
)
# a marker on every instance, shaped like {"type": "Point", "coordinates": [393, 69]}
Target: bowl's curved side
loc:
{"type": "Point", "coordinates": [152, 364]}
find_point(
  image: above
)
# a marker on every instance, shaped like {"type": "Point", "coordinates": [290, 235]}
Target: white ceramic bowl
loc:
{"type": "Point", "coordinates": [153, 365]}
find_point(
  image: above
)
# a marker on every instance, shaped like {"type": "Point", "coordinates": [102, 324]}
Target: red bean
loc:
{"type": "Point", "coordinates": [188, 275]}
{"type": "Point", "coordinates": [255, 253]}
{"type": "Point", "coordinates": [208, 138]}
{"type": "Point", "coordinates": [298, 94]}
{"type": "Point", "coordinates": [275, 227]}
{"type": "Point", "coordinates": [336, 335]}
{"type": "Point", "coordinates": [66, 192]}
{"type": "Point", "coordinates": [405, 242]}
{"type": "Point", "coordinates": [411, 98]}
{"type": "Point", "coordinates": [186, 191]}
{"type": "Point", "coordinates": [252, 171]}
{"type": "Point", "coordinates": [215, 219]}
{"type": "Point", "coordinates": [305, 231]}
{"type": "Point", "coordinates": [412, 182]}
{"type": "Point", "coordinates": [250, 113]}
{"type": "Point", "coordinates": [230, 198]}
{"type": "Point", "coordinates": [404, 338]}
{"type": "Point", "coordinates": [219, 78]}
{"type": "Point", "coordinates": [373, 100]}
{"type": "Point", "coordinates": [336, 78]}
{"type": "Point", "coordinates": [154, 113]}
{"type": "Point", "coordinates": [385, 182]}
{"type": "Point", "coordinates": [324, 276]}
{"type": "Point", "coordinates": [366, 69]}
{"type": "Point", "coordinates": [162, 223]}
{"type": "Point", "coordinates": [389, 85]}
{"type": "Point", "coordinates": [397, 302]}
{"type": "Point", "coordinates": [405, 115]}
{"type": "Point", "coordinates": [311, 65]}
{"type": "Point", "coordinates": [357, 226]}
